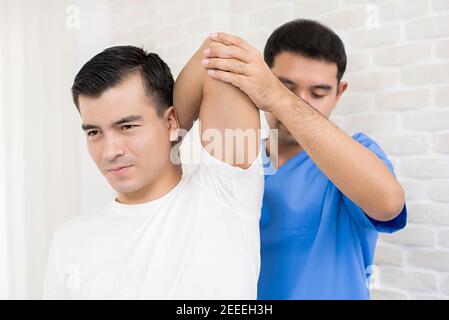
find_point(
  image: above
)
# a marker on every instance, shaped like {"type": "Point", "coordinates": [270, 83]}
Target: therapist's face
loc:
{"type": "Point", "coordinates": [128, 141]}
{"type": "Point", "coordinates": [315, 81]}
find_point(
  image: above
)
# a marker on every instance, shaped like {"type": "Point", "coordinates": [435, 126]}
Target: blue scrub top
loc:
{"type": "Point", "coordinates": [315, 242]}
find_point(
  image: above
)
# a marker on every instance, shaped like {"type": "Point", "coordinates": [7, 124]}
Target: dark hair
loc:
{"type": "Point", "coordinates": [308, 38]}
{"type": "Point", "coordinates": [110, 67]}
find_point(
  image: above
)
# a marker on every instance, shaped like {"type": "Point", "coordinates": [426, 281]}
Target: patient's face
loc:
{"type": "Point", "coordinates": [125, 137]}
{"type": "Point", "coordinates": [313, 80]}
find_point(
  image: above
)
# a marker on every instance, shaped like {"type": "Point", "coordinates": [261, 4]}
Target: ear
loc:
{"type": "Point", "coordinates": [172, 122]}
{"type": "Point", "coordinates": [342, 86]}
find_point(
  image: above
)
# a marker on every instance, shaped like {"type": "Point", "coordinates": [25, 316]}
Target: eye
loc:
{"type": "Point", "coordinates": [289, 86]}
{"type": "Point", "coordinates": [92, 133]}
{"type": "Point", "coordinates": [317, 96]}
{"type": "Point", "coordinates": [128, 126]}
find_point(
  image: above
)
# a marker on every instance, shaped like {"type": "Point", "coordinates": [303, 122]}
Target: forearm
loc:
{"type": "Point", "coordinates": [354, 169]}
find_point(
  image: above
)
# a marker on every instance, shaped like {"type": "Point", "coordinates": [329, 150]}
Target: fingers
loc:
{"type": "Point", "coordinates": [227, 52]}
{"type": "Point", "coordinates": [225, 76]}
{"type": "Point", "coordinates": [230, 65]}
{"type": "Point", "coordinates": [228, 58]}
{"type": "Point", "coordinates": [229, 39]}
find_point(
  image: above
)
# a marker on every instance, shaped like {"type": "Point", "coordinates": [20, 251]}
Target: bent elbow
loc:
{"type": "Point", "coordinates": [393, 204]}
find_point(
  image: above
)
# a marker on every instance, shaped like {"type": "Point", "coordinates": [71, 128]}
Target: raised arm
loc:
{"type": "Point", "coordinates": [354, 169]}
{"type": "Point", "coordinates": [188, 90]}
{"type": "Point", "coordinates": [229, 121]}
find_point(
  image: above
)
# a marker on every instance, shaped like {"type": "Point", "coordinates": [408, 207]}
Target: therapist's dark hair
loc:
{"type": "Point", "coordinates": [308, 38]}
{"type": "Point", "coordinates": [110, 67]}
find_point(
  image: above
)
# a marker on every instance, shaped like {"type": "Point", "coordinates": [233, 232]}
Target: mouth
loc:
{"type": "Point", "coordinates": [119, 170]}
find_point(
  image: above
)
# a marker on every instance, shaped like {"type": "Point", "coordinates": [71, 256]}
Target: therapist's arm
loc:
{"type": "Point", "coordinates": [354, 169]}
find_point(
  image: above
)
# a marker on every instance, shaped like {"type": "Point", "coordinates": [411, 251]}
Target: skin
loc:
{"type": "Point", "coordinates": [142, 141]}
{"type": "Point", "coordinates": [314, 81]}
{"type": "Point", "coordinates": [302, 119]}
{"type": "Point", "coordinates": [124, 131]}
{"type": "Point", "coordinates": [219, 106]}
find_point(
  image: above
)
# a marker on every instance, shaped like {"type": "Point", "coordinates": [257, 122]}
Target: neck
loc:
{"type": "Point", "coordinates": [286, 151]}
{"type": "Point", "coordinates": [163, 184]}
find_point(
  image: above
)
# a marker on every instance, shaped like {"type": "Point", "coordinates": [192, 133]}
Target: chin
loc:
{"type": "Point", "coordinates": [125, 187]}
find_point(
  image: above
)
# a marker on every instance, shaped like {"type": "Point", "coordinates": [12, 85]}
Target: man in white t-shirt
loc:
{"type": "Point", "coordinates": [166, 235]}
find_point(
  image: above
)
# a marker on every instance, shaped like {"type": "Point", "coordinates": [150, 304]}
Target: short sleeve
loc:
{"type": "Point", "coordinates": [361, 218]}
{"type": "Point", "coordinates": [241, 190]}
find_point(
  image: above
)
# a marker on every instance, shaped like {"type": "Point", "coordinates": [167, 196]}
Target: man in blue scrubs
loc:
{"type": "Point", "coordinates": [331, 194]}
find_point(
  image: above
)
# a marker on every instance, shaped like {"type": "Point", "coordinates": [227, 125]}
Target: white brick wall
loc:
{"type": "Point", "coordinates": [398, 73]}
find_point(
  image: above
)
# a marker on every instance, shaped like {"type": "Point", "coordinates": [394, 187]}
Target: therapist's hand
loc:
{"type": "Point", "coordinates": [240, 64]}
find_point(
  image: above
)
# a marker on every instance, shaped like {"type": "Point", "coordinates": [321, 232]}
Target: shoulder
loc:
{"type": "Point", "coordinates": [374, 147]}
{"type": "Point", "coordinates": [368, 142]}
{"type": "Point", "coordinates": [362, 138]}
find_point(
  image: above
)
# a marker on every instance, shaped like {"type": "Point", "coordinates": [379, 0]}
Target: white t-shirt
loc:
{"type": "Point", "coordinates": [199, 241]}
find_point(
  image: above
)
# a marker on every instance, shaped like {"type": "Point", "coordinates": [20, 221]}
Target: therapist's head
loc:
{"type": "Point", "coordinates": [124, 97]}
{"type": "Point", "coordinates": [310, 60]}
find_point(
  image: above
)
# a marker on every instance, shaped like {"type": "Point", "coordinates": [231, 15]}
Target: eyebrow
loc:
{"type": "Point", "coordinates": [323, 86]}
{"type": "Point", "coordinates": [127, 119]}
{"type": "Point", "coordinates": [286, 81]}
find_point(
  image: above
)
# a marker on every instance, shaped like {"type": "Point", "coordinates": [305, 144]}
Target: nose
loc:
{"type": "Point", "coordinates": [113, 147]}
{"type": "Point", "coordinates": [303, 95]}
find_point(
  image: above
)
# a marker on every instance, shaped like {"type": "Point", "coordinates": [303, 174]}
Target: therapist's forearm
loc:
{"type": "Point", "coordinates": [354, 169]}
